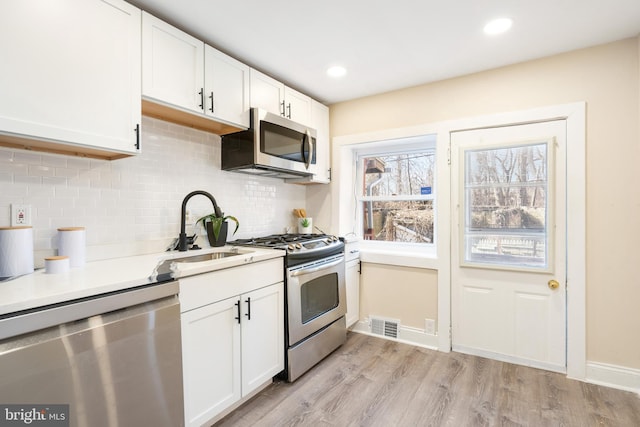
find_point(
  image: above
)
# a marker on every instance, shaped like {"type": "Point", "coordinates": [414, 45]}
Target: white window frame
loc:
{"type": "Point", "coordinates": [416, 144]}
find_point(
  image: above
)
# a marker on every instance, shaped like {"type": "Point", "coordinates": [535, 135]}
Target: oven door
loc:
{"type": "Point", "coordinates": [316, 296]}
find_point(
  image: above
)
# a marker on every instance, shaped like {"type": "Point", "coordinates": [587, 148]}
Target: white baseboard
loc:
{"type": "Point", "coordinates": [510, 359]}
{"type": "Point", "coordinates": [406, 335]}
{"type": "Point", "coordinates": [619, 377]}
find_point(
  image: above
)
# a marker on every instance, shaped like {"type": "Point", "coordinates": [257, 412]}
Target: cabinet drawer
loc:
{"type": "Point", "coordinates": [203, 289]}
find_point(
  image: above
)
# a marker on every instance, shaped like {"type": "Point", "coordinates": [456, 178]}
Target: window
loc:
{"type": "Point", "coordinates": [506, 206]}
{"type": "Point", "coordinates": [396, 192]}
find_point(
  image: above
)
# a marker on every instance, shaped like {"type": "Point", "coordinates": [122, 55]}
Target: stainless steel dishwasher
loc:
{"type": "Point", "coordinates": [115, 359]}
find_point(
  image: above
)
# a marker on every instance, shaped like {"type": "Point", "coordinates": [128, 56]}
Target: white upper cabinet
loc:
{"type": "Point", "coordinates": [227, 83]}
{"type": "Point", "coordinates": [172, 65]}
{"type": "Point", "coordinates": [320, 121]}
{"type": "Point", "coordinates": [70, 76]}
{"type": "Point", "coordinates": [322, 168]}
{"type": "Point", "coordinates": [267, 93]}
{"type": "Point", "coordinates": [297, 106]}
{"type": "Point", "coordinates": [181, 73]}
{"type": "Point", "coordinates": [271, 95]}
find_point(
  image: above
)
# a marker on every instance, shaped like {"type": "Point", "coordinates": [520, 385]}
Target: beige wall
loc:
{"type": "Point", "coordinates": [607, 78]}
{"type": "Point", "coordinates": [406, 293]}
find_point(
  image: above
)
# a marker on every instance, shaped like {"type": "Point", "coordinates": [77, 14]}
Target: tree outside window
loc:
{"type": "Point", "coordinates": [397, 195]}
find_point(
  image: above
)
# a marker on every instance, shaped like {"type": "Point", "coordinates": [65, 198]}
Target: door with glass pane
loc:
{"type": "Point", "coordinates": [508, 247]}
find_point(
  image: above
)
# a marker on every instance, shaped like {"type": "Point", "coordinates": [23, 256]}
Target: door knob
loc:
{"type": "Point", "coordinates": [553, 284]}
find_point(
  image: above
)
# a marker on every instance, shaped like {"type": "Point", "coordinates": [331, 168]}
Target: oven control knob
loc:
{"type": "Point", "coordinates": [298, 246]}
{"type": "Point", "coordinates": [290, 248]}
{"type": "Point", "coordinates": [328, 240]}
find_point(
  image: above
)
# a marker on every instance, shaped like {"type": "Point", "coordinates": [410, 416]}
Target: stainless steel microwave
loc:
{"type": "Point", "coordinates": [273, 146]}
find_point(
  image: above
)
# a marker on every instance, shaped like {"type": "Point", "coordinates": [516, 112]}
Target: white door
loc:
{"type": "Point", "coordinates": [508, 247]}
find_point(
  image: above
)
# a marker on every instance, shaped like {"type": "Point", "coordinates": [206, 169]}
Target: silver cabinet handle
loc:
{"type": "Point", "coordinates": [316, 269]}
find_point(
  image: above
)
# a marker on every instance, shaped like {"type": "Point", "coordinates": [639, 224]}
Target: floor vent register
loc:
{"type": "Point", "coordinates": [385, 327]}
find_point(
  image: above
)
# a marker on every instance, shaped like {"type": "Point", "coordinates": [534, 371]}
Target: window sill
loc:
{"type": "Point", "coordinates": [400, 257]}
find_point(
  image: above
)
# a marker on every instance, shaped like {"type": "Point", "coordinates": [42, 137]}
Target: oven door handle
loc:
{"type": "Point", "coordinates": [315, 269]}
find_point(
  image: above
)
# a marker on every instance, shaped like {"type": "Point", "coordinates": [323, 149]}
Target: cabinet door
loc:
{"type": "Point", "coordinates": [262, 336]}
{"type": "Point", "coordinates": [172, 65]}
{"type": "Point", "coordinates": [352, 278]}
{"type": "Point", "coordinates": [226, 87]}
{"type": "Point", "coordinates": [71, 72]}
{"type": "Point", "coordinates": [297, 106]}
{"type": "Point", "coordinates": [267, 93]}
{"type": "Point", "coordinates": [210, 360]}
{"type": "Point", "coordinates": [320, 122]}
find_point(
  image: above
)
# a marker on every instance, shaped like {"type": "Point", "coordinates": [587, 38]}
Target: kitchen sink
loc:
{"type": "Point", "coordinates": [204, 257]}
{"type": "Point", "coordinates": [164, 270]}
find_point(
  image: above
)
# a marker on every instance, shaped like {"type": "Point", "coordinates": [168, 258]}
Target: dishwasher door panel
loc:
{"type": "Point", "coordinates": [122, 368]}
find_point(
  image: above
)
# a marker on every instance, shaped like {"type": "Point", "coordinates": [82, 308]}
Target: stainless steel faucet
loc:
{"type": "Point", "coordinates": [182, 238]}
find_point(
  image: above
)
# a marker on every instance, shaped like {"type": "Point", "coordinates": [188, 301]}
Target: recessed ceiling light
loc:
{"type": "Point", "coordinates": [336, 71]}
{"type": "Point", "coordinates": [498, 26]}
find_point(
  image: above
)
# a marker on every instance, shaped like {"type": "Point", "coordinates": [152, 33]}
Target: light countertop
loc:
{"type": "Point", "coordinates": [98, 277]}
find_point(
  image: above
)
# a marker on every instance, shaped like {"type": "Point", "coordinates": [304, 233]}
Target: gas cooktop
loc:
{"type": "Point", "coordinates": [293, 243]}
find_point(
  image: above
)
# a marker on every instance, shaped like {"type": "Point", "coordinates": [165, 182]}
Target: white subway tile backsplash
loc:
{"type": "Point", "coordinates": [17, 169]}
{"type": "Point", "coordinates": [66, 172]}
{"type": "Point", "coordinates": [70, 192]}
{"type": "Point", "coordinates": [15, 192]}
{"type": "Point", "coordinates": [28, 180]}
{"type": "Point", "coordinates": [40, 170]}
{"type": "Point", "coordinates": [78, 163]}
{"type": "Point", "coordinates": [51, 181]}
{"type": "Point", "coordinates": [6, 155]}
{"type": "Point", "coordinates": [139, 198]}
{"type": "Point", "coordinates": [61, 202]}
{"type": "Point", "coordinates": [55, 160]}
{"type": "Point", "coordinates": [27, 158]}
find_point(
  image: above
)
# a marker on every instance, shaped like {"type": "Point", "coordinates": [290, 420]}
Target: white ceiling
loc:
{"type": "Point", "coordinates": [387, 45]}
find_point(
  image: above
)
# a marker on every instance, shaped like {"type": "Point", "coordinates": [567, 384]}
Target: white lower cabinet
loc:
{"type": "Point", "coordinates": [352, 279]}
{"type": "Point", "coordinates": [262, 336]}
{"type": "Point", "coordinates": [211, 360]}
{"type": "Point", "coordinates": [230, 346]}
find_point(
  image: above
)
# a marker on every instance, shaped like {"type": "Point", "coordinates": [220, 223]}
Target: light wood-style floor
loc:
{"type": "Point", "coordinates": [371, 381]}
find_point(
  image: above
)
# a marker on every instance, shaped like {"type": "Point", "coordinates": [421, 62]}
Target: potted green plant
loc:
{"type": "Point", "coordinates": [304, 225]}
{"type": "Point", "coordinates": [217, 227]}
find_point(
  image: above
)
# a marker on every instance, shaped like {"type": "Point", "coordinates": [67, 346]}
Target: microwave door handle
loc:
{"type": "Point", "coordinates": [316, 269]}
{"type": "Point", "coordinates": [307, 159]}
{"type": "Point", "coordinates": [312, 148]}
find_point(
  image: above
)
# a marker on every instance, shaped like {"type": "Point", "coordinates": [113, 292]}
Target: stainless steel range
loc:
{"type": "Point", "coordinates": [315, 296]}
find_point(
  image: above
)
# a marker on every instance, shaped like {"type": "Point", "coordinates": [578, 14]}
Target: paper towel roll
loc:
{"type": "Point", "coordinates": [16, 251]}
{"type": "Point", "coordinates": [56, 264]}
{"type": "Point", "coordinates": [72, 243]}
